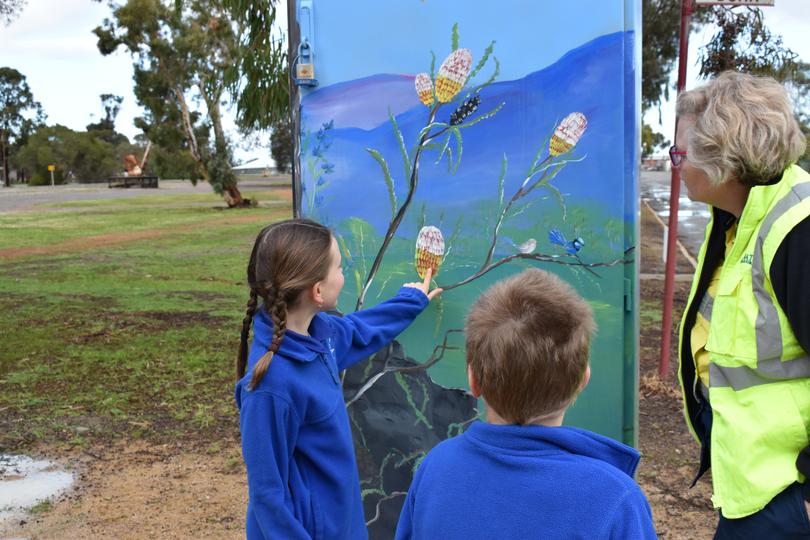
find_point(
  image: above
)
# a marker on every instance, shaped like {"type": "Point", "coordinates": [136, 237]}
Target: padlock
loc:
{"type": "Point", "coordinates": [304, 68]}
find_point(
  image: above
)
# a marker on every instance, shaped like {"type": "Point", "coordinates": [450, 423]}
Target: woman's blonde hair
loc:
{"type": "Point", "coordinates": [744, 128]}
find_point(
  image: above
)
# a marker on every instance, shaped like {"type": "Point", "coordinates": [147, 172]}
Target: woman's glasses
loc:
{"type": "Point", "coordinates": [676, 156]}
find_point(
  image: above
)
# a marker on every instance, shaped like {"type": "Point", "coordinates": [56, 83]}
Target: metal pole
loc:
{"type": "Point", "coordinates": [294, 39]}
{"type": "Point", "coordinates": [52, 178]}
{"type": "Point", "coordinates": [674, 196]}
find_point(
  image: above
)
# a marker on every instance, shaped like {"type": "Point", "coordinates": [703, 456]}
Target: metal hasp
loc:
{"type": "Point", "coordinates": [304, 62]}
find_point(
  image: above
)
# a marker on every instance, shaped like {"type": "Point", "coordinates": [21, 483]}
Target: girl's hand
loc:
{"type": "Point", "coordinates": [424, 286]}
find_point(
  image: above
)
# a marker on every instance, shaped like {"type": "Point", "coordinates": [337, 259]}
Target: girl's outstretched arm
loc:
{"type": "Point", "coordinates": [269, 430]}
{"type": "Point", "coordinates": [362, 333]}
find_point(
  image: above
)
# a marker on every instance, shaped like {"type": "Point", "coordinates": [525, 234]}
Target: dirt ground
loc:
{"type": "Point", "coordinates": [197, 489]}
{"type": "Point", "coordinates": [669, 453]}
{"type": "Point", "coordinates": [136, 491]}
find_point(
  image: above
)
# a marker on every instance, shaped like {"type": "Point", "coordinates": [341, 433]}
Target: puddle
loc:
{"type": "Point", "coordinates": [686, 213]}
{"type": "Point", "coordinates": [24, 482]}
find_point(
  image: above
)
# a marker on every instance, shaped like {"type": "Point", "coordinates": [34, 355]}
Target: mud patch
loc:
{"type": "Point", "coordinates": [204, 296]}
{"type": "Point", "coordinates": [117, 323]}
{"type": "Point", "coordinates": [140, 491]}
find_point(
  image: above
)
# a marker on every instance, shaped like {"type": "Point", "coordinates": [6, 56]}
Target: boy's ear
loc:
{"type": "Point", "coordinates": [475, 390]}
{"type": "Point", "coordinates": [585, 378]}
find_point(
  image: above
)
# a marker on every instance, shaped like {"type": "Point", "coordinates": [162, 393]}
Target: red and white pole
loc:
{"type": "Point", "coordinates": [674, 196]}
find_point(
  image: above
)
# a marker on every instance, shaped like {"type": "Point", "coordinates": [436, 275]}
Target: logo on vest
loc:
{"type": "Point", "coordinates": [748, 258]}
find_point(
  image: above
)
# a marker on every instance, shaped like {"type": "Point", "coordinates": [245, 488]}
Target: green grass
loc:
{"type": "Point", "coordinates": [153, 201]}
{"type": "Point", "coordinates": [41, 508]}
{"type": "Point", "coordinates": [133, 340]}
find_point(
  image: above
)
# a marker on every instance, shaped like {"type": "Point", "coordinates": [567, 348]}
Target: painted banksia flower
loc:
{"type": "Point", "coordinates": [567, 134]}
{"type": "Point", "coordinates": [429, 250]}
{"type": "Point", "coordinates": [464, 110]}
{"type": "Point", "coordinates": [453, 74]}
{"type": "Point", "coordinates": [424, 89]}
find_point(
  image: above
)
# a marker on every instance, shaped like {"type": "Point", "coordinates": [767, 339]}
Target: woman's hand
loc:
{"type": "Point", "coordinates": [424, 286]}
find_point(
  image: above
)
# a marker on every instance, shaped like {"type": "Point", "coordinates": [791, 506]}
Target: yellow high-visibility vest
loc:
{"type": "Point", "coordinates": [759, 375]}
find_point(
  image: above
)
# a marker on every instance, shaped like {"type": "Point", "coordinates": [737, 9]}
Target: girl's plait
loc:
{"type": "Point", "coordinates": [288, 257]}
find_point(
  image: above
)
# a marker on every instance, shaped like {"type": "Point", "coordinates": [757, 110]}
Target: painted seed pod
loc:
{"type": "Point", "coordinates": [429, 250]}
{"type": "Point", "coordinates": [464, 110]}
{"type": "Point", "coordinates": [567, 133]}
{"type": "Point", "coordinates": [453, 74]}
{"type": "Point", "coordinates": [424, 89]}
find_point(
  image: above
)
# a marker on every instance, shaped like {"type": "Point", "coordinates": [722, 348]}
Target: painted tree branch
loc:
{"type": "Point", "coordinates": [394, 225]}
{"type": "Point", "coordinates": [436, 355]}
{"type": "Point", "coordinates": [549, 171]}
{"type": "Point", "coordinates": [556, 259]}
{"type": "Point", "coordinates": [388, 497]}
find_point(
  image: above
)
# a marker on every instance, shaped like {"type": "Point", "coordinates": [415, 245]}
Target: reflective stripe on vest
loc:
{"type": "Point", "coordinates": [768, 331]}
{"type": "Point", "coordinates": [706, 305]}
{"type": "Point", "coordinates": [768, 371]}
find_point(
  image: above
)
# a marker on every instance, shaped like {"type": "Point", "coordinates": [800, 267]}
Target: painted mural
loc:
{"type": "Point", "coordinates": [453, 167]}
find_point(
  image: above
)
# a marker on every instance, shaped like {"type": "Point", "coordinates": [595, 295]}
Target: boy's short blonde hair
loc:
{"type": "Point", "coordinates": [528, 340]}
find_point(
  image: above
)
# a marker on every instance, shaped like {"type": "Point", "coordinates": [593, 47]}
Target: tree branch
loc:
{"type": "Point", "coordinates": [556, 259]}
{"type": "Point", "coordinates": [394, 225]}
{"type": "Point", "coordinates": [438, 354]}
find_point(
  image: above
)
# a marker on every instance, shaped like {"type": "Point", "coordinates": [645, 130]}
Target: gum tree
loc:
{"type": "Point", "coordinates": [19, 114]}
{"type": "Point", "coordinates": [181, 52]}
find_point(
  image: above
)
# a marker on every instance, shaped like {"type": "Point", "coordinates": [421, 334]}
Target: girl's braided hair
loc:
{"type": "Point", "coordinates": [288, 257]}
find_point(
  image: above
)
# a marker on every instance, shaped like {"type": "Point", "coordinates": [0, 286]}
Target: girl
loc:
{"type": "Point", "coordinates": [296, 441]}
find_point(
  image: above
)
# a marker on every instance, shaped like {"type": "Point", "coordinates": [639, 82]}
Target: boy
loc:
{"type": "Point", "coordinates": [521, 474]}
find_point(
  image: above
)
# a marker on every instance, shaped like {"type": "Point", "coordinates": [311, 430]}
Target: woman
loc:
{"type": "Point", "coordinates": [744, 337]}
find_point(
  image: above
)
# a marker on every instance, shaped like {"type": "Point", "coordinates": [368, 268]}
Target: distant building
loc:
{"type": "Point", "coordinates": [257, 167]}
{"type": "Point", "coordinates": [656, 163]}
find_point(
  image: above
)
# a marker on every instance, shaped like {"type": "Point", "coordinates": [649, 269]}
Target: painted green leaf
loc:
{"type": "Point", "coordinates": [428, 127]}
{"type": "Point", "coordinates": [389, 182]}
{"type": "Point", "coordinates": [454, 39]}
{"type": "Point", "coordinates": [482, 62]}
{"type": "Point", "coordinates": [406, 160]}
{"type": "Point", "coordinates": [491, 78]}
{"type": "Point", "coordinates": [559, 196]}
{"type": "Point", "coordinates": [484, 116]}
{"type": "Point", "coordinates": [542, 148]}
{"type": "Point", "coordinates": [501, 180]}
{"type": "Point", "coordinates": [445, 149]}
{"type": "Point", "coordinates": [459, 148]}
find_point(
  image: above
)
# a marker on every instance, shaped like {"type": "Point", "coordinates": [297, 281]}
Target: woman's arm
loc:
{"type": "Point", "coordinates": [789, 271]}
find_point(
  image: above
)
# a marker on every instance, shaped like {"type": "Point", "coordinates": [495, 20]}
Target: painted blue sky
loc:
{"type": "Point", "coordinates": [589, 79]}
{"type": "Point", "coordinates": [402, 44]}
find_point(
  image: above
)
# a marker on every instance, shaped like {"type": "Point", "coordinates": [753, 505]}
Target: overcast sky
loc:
{"type": "Point", "coordinates": [788, 18]}
{"type": "Point", "coordinates": [52, 44]}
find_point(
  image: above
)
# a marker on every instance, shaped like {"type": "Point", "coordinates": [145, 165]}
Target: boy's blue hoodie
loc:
{"type": "Point", "coordinates": [506, 482]}
{"type": "Point", "coordinates": [296, 441]}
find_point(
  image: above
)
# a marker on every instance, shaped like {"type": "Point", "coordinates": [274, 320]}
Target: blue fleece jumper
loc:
{"type": "Point", "coordinates": [505, 482]}
{"type": "Point", "coordinates": [296, 440]}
